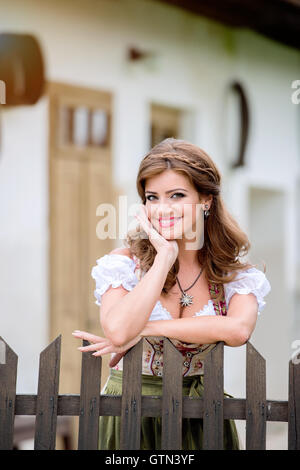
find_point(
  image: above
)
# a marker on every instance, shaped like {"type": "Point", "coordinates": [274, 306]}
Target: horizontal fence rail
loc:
{"type": "Point", "coordinates": [213, 408]}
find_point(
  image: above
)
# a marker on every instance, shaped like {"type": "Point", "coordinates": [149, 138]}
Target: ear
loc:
{"type": "Point", "coordinates": [207, 200]}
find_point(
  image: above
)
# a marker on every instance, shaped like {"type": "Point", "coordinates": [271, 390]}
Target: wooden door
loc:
{"type": "Point", "coordinates": [80, 169]}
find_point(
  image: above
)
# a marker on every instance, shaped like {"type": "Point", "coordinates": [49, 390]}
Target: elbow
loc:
{"type": "Point", "coordinates": [115, 336]}
{"type": "Point", "coordinates": [239, 336]}
{"type": "Point", "coordinates": [118, 339]}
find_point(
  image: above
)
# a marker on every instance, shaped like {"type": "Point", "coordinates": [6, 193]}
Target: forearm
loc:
{"type": "Point", "coordinates": [200, 330]}
{"type": "Point", "coordinates": [127, 318]}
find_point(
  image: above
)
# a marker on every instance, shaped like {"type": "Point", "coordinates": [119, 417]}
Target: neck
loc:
{"type": "Point", "coordinates": [186, 258]}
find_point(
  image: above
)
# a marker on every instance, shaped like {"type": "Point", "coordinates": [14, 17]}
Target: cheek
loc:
{"type": "Point", "coordinates": [189, 211]}
{"type": "Point", "coordinates": [191, 216]}
{"type": "Point", "coordinates": [149, 210]}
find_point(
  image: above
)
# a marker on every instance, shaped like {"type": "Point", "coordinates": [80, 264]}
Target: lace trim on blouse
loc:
{"type": "Point", "coordinates": [115, 270]}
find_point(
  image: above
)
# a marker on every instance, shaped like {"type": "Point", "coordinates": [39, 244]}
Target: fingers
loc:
{"type": "Point", "coordinates": [107, 350]}
{"type": "Point", "coordinates": [100, 345]}
{"type": "Point", "coordinates": [143, 223]}
{"type": "Point", "coordinates": [144, 220]}
{"type": "Point", "coordinates": [147, 225]}
{"type": "Point", "coordinates": [99, 348]}
{"type": "Point", "coordinates": [88, 336]}
{"type": "Point", "coordinates": [93, 347]}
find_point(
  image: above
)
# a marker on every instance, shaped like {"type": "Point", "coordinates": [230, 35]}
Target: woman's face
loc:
{"type": "Point", "coordinates": [173, 205]}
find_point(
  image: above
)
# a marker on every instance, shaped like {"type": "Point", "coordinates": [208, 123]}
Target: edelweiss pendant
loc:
{"type": "Point", "coordinates": [186, 300]}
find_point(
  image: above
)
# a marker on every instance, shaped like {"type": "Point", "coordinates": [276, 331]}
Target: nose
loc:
{"type": "Point", "coordinates": [164, 210]}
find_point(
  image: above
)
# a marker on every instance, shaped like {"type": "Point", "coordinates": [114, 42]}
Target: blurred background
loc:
{"type": "Point", "coordinates": [86, 89]}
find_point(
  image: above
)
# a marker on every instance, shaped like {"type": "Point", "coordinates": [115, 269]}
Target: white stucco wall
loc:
{"type": "Point", "coordinates": [193, 60]}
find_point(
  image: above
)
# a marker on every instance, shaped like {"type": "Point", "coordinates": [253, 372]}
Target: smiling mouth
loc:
{"type": "Point", "coordinates": [168, 222]}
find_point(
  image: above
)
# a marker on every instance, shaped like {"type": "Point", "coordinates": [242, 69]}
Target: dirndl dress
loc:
{"type": "Point", "coordinates": [192, 428]}
{"type": "Point", "coordinates": [193, 386]}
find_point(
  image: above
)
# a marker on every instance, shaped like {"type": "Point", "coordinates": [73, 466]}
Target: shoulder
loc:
{"type": "Point", "coordinates": [250, 277]}
{"type": "Point", "coordinates": [251, 273]}
{"type": "Point", "coordinates": [114, 269]}
{"type": "Point", "coordinates": [247, 281]}
{"type": "Point", "coordinates": [116, 260]}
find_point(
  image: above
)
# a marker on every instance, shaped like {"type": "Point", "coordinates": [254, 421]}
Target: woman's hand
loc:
{"type": "Point", "coordinates": [103, 346]}
{"type": "Point", "coordinates": [157, 240]}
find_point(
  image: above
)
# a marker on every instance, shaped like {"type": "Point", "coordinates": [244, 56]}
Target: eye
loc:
{"type": "Point", "coordinates": [175, 194]}
{"type": "Point", "coordinates": [178, 194]}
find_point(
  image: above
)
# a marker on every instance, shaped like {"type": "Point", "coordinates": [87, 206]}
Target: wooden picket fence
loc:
{"type": "Point", "coordinates": [213, 408]}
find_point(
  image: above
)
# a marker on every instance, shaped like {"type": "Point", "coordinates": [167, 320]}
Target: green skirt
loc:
{"type": "Point", "coordinates": [192, 428]}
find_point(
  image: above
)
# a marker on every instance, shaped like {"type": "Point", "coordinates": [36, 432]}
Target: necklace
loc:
{"type": "Point", "coordinates": [186, 299]}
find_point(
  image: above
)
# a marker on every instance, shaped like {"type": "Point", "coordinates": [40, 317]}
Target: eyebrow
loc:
{"type": "Point", "coordinates": [167, 192]}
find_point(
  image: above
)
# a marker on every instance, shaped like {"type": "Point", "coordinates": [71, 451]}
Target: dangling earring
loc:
{"type": "Point", "coordinates": [206, 212]}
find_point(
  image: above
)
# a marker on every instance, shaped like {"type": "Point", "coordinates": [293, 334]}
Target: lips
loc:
{"type": "Point", "coordinates": [168, 222]}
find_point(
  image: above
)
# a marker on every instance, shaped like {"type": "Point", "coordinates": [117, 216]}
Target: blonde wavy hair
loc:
{"type": "Point", "coordinates": [225, 242]}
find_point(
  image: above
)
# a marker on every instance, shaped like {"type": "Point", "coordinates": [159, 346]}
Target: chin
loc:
{"type": "Point", "coordinates": [168, 235]}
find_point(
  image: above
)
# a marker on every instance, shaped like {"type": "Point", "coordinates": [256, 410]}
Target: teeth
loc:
{"type": "Point", "coordinates": [167, 222]}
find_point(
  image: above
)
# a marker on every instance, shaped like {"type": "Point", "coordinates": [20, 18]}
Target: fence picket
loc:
{"type": "Point", "coordinates": [294, 406]}
{"type": "Point", "coordinates": [131, 412]}
{"type": "Point", "coordinates": [131, 405]}
{"type": "Point", "coordinates": [8, 374]}
{"type": "Point", "coordinates": [171, 435]}
{"type": "Point", "coordinates": [213, 399]}
{"type": "Point", "coordinates": [256, 404]}
{"type": "Point", "coordinates": [46, 406]}
{"type": "Point", "coordinates": [89, 400]}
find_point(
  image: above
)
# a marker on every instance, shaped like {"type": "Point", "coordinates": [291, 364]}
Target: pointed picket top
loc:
{"type": "Point", "coordinates": [7, 354]}
{"type": "Point", "coordinates": [256, 403]}
{"type": "Point", "coordinates": [54, 345]}
{"type": "Point", "coordinates": [46, 407]}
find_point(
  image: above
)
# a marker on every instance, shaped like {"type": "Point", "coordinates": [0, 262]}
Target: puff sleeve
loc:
{"type": "Point", "coordinates": [251, 280]}
{"type": "Point", "coordinates": [113, 270]}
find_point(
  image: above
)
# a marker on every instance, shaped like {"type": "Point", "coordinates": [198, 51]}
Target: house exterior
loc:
{"type": "Point", "coordinates": [145, 69]}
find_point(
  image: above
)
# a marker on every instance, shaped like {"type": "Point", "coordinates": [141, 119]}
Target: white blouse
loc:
{"type": "Point", "coordinates": [116, 270]}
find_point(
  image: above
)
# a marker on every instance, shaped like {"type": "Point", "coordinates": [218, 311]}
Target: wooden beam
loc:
{"type": "Point", "coordinates": [276, 19]}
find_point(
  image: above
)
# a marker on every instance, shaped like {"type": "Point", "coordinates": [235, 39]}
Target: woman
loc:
{"type": "Point", "coordinates": [179, 276]}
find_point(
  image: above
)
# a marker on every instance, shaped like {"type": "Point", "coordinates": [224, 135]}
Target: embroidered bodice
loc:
{"type": "Point", "coordinates": [114, 270]}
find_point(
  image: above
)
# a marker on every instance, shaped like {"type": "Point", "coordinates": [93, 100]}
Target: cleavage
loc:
{"type": "Point", "coordinates": [171, 302]}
